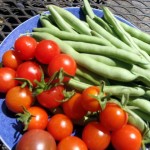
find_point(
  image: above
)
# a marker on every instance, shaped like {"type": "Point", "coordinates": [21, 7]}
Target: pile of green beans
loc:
{"type": "Point", "coordinates": [105, 49]}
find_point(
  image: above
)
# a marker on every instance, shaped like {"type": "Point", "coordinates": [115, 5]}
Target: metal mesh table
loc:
{"type": "Point", "coordinates": [14, 12]}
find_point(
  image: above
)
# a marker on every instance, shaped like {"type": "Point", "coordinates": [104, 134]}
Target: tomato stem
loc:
{"type": "Point", "coordinates": [25, 82]}
{"type": "Point", "coordinates": [25, 118]}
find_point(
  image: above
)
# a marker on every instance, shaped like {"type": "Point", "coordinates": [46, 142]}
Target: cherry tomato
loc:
{"type": "Point", "coordinates": [96, 136]}
{"type": "Point", "coordinates": [73, 108]}
{"type": "Point", "coordinates": [126, 138]}
{"type": "Point", "coordinates": [60, 126]}
{"type": "Point", "coordinates": [113, 117]}
{"type": "Point", "coordinates": [46, 50]}
{"type": "Point", "coordinates": [72, 143]}
{"type": "Point", "coordinates": [90, 103]}
{"type": "Point", "coordinates": [25, 47]}
{"type": "Point", "coordinates": [62, 61]}
{"type": "Point", "coordinates": [36, 139]}
{"type": "Point", "coordinates": [29, 70]}
{"type": "Point", "coordinates": [17, 98]}
{"type": "Point", "coordinates": [7, 80]}
{"type": "Point", "coordinates": [39, 118]}
{"type": "Point", "coordinates": [51, 98]}
{"type": "Point", "coordinates": [10, 59]}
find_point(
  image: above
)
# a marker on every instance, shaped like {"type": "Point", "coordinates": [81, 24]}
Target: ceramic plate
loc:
{"type": "Point", "coordinates": [9, 128]}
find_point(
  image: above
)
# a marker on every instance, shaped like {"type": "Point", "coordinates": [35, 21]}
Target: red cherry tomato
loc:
{"type": "Point", "coordinates": [46, 50]}
{"type": "Point", "coordinates": [36, 139]}
{"type": "Point", "coordinates": [17, 98]}
{"type": "Point", "coordinates": [126, 138]}
{"type": "Point", "coordinates": [29, 70]}
{"type": "Point", "coordinates": [10, 59]}
{"type": "Point", "coordinates": [73, 108]}
{"type": "Point", "coordinates": [72, 143]}
{"type": "Point", "coordinates": [113, 117]}
{"type": "Point", "coordinates": [65, 62]}
{"type": "Point", "coordinates": [39, 118]}
{"type": "Point", "coordinates": [51, 98]}
{"type": "Point", "coordinates": [7, 80]}
{"type": "Point", "coordinates": [96, 136]}
{"type": "Point", "coordinates": [60, 126]}
{"type": "Point", "coordinates": [90, 103]}
{"type": "Point", "coordinates": [25, 47]}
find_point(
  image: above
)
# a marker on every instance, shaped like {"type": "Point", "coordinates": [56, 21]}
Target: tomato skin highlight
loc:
{"type": "Point", "coordinates": [113, 117]}
{"type": "Point", "coordinates": [73, 108]}
{"type": "Point", "coordinates": [63, 126]}
{"type": "Point", "coordinates": [7, 80]}
{"type": "Point", "coordinates": [46, 50]}
{"type": "Point", "coordinates": [65, 62]}
{"type": "Point", "coordinates": [96, 136]}
{"type": "Point", "coordinates": [51, 98]}
{"type": "Point", "coordinates": [17, 98]}
{"type": "Point", "coordinates": [36, 139]}
{"type": "Point", "coordinates": [29, 70]}
{"type": "Point", "coordinates": [25, 47]}
{"type": "Point", "coordinates": [39, 119]}
{"type": "Point", "coordinates": [126, 138]}
{"type": "Point", "coordinates": [72, 143]}
{"type": "Point", "coordinates": [88, 102]}
{"type": "Point", "coordinates": [10, 59]}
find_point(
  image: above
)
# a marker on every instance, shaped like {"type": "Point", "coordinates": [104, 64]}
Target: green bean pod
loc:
{"type": "Point", "coordinates": [61, 23]}
{"type": "Point", "coordinates": [109, 17]}
{"type": "Point", "coordinates": [108, 61]}
{"type": "Point", "coordinates": [122, 33]}
{"type": "Point", "coordinates": [94, 78]}
{"type": "Point", "coordinates": [102, 23]}
{"type": "Point", "coordinates": [108, 51]}
{"type": "Point", "coordinates": [63, 35]}
{"type": "Point", "coordinates": [114, 40]}
{"type": "Point", "coordinates": [117, 90]}
{"type": "Point", "coordinates": [78, 85]}
{"type": "Point", "coordinates": [143, 45]}
{"type": "Point", "coordinates": [76, 23]}
{"type": "Point", "coordinates": [141, 103]}
{"type": "Point", "coordinates": [82, 79]}
{"type": "Point", "coordinates": [139, 70]}
{"type": "Point", "coordinates": [94, 33]}
{"type": "Point", "coordinates": [47, 24]}
{"type": "Point", "coordinates": [143, 36]}
{"type": "Point", "coordinates": [109, 72]}
{"type": "Point", "coordinates": [143, 115]}
{"type": "Point", "coordinates": [87, 9]}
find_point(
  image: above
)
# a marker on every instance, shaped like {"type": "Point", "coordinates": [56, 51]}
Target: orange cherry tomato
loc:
{"type": "Point", "coordinates": [10, 59]}
{"type": "Point", "coordinates": [17, 98]}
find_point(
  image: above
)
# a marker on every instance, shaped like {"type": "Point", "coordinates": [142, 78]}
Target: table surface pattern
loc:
{"type": "Point", "coordinates": [14, 12]}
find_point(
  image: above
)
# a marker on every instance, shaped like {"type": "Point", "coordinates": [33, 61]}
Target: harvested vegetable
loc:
{"type": "Point", "coordinates": [93, 76]}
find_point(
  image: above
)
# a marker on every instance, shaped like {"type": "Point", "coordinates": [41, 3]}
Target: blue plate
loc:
{"type": "Point", "coordinates": [10, 131]}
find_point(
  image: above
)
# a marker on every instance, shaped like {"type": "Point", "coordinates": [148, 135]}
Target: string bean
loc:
{"type": "Point", "coordinates": [76, 23]}
{"type": "Point", "coordinates": [115, 73]}
{"type": "Point", "coordinates": [122, 33]}
{"type": "Point", "coordinates": [62, 24]}
{"type": "Point", "coordinates": [109, 51]}
{"type": "Point", "coordinates": [63, 35]}
{"type": "Point", "coordinates": [135, 32]}
{"type": "Point", "coordinates": [115, 90]}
